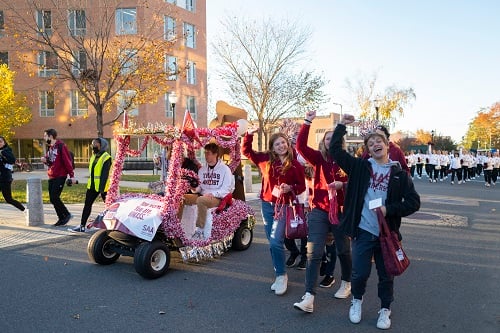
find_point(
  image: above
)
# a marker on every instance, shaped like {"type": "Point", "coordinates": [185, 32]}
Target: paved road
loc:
{"type": "Point", "coordinates": [451, 286]}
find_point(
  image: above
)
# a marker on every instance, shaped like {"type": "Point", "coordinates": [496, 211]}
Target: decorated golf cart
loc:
{"type": "Point", "coordinates": [147, 226]}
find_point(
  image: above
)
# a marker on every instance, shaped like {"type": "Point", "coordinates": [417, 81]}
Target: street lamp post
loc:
{"type": "Point", "coordinates": [377, 106]}
{"type": "Point", "coordinates": [340, 108]}
{"type": "Point", "coordinates": [173, 100]}
{"type": "Point", "coordinates": [432, 141]}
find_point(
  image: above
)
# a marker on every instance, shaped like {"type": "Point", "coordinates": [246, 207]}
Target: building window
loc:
{"type": "Point", "coordinates": [173, 2]}
{"type": "Point", "coordinates": [128, 61]}
{"type": "Point", "coordinates": [79, 62]}
{"type": "Point", "coordinates": [44, 21]}
{"type": "Point", "coordinates": [191, 72]}
{"type": "Point", "coordinates": [2, 22]}
{"type": "Point", "coordinates": [171, 68]}
{"type": "Point", "coordinates": [186, 4]}
{"type": "Point", "coordinates": [47, 64]}
{"type": "Point", "coordinates": [169, 28]}
{"type": "Point", "coordinates": [191, 106]}
{"type": "Point", "coordinates": [189, 35]}
{"type": "Point", "coordinates": [79, 104]}
{"type": "Point", "coordinates": [190, 5]}
{"type": "Point", "coordinates": [168, 106]}
{"type": "Point", "coordinates": [47, 105]}
{"type": "Point", "coordinates": [77, 22]}
{"type": "Point", "coordinates": [4, 58]}
{"type": "Point", "coordinates": [126, 103]}
{"type": "Point", "coordinates": [126, 21]}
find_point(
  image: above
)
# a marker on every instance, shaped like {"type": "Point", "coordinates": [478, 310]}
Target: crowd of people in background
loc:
{"type": "Point", "coordinates": [458, 167]}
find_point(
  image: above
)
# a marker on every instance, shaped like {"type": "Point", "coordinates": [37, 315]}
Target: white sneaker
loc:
{"type": "Point", "coordinates": [355, 311]}
{"type": "Point", "coordinates": [281, 284]}
{"type": "Point", "coordinates": [273, 286]}
{"type": "Point", "coordinates": [307, 304]}
{"type": "Point", "coordinates": [452, 182]}
{"type": "Point", "coordinates": [344, 290]}
{"type": "Point", "coordinates": [384, 320]}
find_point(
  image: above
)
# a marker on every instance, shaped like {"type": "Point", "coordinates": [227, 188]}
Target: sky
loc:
{"type": "Point", "coordinates": [448, 51]}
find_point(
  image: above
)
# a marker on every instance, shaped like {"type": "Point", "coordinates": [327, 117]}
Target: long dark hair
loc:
{"type": "Point", "coordinates": [5, 144]}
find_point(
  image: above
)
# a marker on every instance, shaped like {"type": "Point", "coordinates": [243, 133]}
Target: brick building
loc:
{"type": "Point", "coordinates": [62, 107]}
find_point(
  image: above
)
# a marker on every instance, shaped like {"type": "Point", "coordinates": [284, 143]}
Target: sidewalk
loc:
{"type": "Point", "coordinates": [14, 229]}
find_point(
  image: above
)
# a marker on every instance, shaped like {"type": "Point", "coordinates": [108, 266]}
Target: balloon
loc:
{"type": "Point", "coordinates": [242, 126]}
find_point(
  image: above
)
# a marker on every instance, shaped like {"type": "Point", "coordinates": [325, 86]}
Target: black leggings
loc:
{"type": "Point", "coordinates": [7, 195]}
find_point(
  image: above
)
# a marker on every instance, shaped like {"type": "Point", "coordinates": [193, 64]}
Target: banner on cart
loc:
{"type": "Point", "coordinates": [139, 217]}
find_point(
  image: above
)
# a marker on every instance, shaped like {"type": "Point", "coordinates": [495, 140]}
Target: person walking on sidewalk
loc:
{"type": "Point", "coordinates": [282, 175]}
{"type": "Point", "coordinates": [326, 174]}
{"type": "Point", "coordinates": [376, 183]}
{"type": "Point", "coordinates": [60, 165]}
{"type": "Point", "coordinates": [98, 183]}
{"type": "Point", "coordinates": [7, 160]}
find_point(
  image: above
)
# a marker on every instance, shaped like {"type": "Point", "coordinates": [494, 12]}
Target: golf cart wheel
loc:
{"type": "Point", "coordinates": [151, 260]}
{"type": "Point", "coordinates": [243, 237]}
{"type": "Point", "coordinates": [99, 248]}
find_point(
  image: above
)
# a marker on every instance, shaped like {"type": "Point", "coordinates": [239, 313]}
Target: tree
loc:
{"type": "Point", "coordinates": [258, 65]}
{"type": "Point", "coordinates": [91, 49]}
{"type": "Point", "coordinates": [14, 111]}
{"type": "Point", "coordinates": [391, 103]}
{"type": "Point", "coordinates": [484, 129]}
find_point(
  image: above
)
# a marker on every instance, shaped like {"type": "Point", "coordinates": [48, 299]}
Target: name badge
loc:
{"type": "Point", "coordinates": [375, 203]}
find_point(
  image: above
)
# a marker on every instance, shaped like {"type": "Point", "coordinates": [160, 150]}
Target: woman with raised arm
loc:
{"type": "Point", "coordinates": [375, 183]}
{"type": "Point", "coordinates": [282, 176]}
{"type": "Point", "coordinates": [327, 176]}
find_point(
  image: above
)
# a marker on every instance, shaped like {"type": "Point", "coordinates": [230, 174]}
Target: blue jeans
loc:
{"type": "Point", "coordinates": [275, 233]}
{"type": "Point", "coordinates": [364, 247]}
{"type": "Point", "coordinates": [319, 226]}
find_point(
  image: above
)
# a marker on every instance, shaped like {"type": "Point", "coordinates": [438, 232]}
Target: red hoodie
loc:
{"type": "Point", "coordinates": [294, 176]}
{"type": "Point", "coordinates": [325, 172]}
{"type": "Point", "coordinates": [58, 160]}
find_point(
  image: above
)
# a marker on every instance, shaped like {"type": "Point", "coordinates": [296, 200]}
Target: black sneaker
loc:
{"type": "Point", "coordinates": [291, 260]}
{"type": "Point", "coordinates": [327, 282]}
{"type": "Point", "coordinates": [63, 221]}
{"type": "Point", "coordinates": [302, 264]}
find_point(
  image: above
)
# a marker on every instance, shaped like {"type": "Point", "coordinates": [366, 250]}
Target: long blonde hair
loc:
{"type": "Point", "coordinates": [287, 164]}
{"type": "Point", "coordinates": [323, 149]}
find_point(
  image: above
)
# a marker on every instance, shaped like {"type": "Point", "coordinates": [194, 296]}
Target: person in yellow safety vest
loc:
{"type": "Point", "coordinates": [98, 183]}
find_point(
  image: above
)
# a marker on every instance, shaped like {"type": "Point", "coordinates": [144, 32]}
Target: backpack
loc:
{"type": "Point", "coordinates": [71, 155]}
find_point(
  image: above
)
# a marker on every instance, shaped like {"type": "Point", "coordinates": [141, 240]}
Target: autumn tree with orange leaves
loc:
{"type": "Point", "coordinates": [484, 129]}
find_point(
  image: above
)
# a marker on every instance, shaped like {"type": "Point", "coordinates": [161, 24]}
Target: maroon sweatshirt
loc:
{"type": "Point", "coordinates": [58, 160]}
{"type": "Point", "coordinates": [294, 176]}
{"type": "Point", "coordinates": [325, 172]}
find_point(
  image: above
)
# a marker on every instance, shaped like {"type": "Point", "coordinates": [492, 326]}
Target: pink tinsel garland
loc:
{"type": "Point", "coordinates": [225, 223]}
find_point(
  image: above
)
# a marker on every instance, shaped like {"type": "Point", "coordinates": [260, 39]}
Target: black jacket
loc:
{"type": "Point", "coordinates": [402, 199]}
{"type": "Point", "coordinates": [6, 157]}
